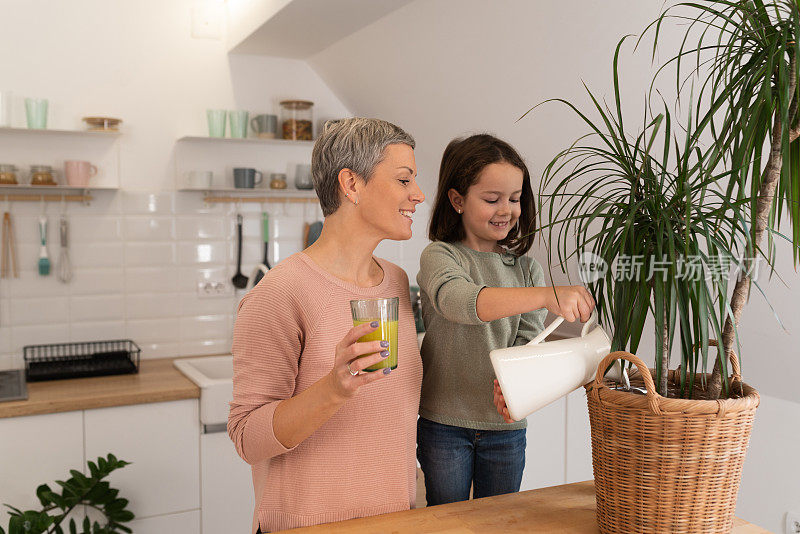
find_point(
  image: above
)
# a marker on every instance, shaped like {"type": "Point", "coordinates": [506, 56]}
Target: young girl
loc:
{"type": "Point", "coordinates": [479, 292]}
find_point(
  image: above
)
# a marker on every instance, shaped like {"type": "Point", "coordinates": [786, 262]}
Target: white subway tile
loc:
{"type": "Point", "coordinates": [152, 305]}
{"type": "Point", "coordinates": [145, 331]}
{"type": "Point", "coordinates": [194, 228]}
{"type": "Point", "coordinates": [151, 279]}
{"type": "Point", "coordinates": [97, 307]}
{"type": "Point", "coordinates": [159, 350]}
{"type": "Point", "coordinates": [88, 281]}
{"type": "Point", "coordinates": [205, 327]}
{"type": "Point", "coordinates": [211, 253]}
{"type": "Point", "coordinates": [97, 331]}
{"type": "Point", "coordinates": [205, 347]}
{"type": "Point", "coordinates": [149, 228]}
{"type": "Point", "coordinates": [287, 228]}
{"type": "Point", "coordinates": [149, 254]}
{"type": "Point", "coordinates": [96, 255]}
{"type": "Point", "coordinates": [284, 249]}
{"type": "Point", "coordinates": [38, 335]}
{"type": "Point", "coordinates": [30, 284]}
{"type": "Point", "coordinates": [135, 202]}
{"type": "Point", "coordinates": [31, 311]}
{"type": "Point", "coordinates": [192, 305]}
{"type": "Point", "coordinates": [192, 203]}
{"type": "Point", "coordinates": [94, 229]}
{"type": "Point", "coordinates": [11, 360]}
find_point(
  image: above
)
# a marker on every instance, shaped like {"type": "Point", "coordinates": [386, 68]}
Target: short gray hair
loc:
{"type": "Point", "coordinates": [356, 144]}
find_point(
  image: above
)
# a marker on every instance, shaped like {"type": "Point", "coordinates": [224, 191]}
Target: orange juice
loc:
{"type": "Point", "coordinates": [386, 331]}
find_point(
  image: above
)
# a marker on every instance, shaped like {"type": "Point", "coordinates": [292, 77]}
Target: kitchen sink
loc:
{"type": "Point", "coordinates": [214, 376]}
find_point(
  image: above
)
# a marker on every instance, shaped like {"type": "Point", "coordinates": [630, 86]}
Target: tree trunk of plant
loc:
{"type": "Point", "coordinates": [664, 363]}
{"type": "Point", "coordinates": [741, 292]}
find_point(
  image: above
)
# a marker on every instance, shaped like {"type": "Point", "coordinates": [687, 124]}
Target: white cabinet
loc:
{"type": "Point", "coordinates": [161, 441]}
{"type": "Point", "coordinates": [227, 495]}
{"type": "Point", "coordinates": [37, 449]}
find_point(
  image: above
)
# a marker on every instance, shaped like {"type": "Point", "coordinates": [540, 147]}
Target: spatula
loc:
{"type": "Point", "coordinates": [239, 280]}
{"type": "Point", "coordinates": [265, 222]}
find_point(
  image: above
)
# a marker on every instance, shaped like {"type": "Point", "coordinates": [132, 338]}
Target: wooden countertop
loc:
{"type": "Point", "coordinates": [157, 381]}
{"type": "Point", "coordinates": [565, 509]}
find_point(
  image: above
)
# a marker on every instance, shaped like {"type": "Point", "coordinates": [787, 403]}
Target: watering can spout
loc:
{"type": "Point", "coordinates": [534, 375]}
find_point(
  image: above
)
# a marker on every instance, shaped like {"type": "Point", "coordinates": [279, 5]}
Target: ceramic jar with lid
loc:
{"type": "Point", "coordinates": [8, 174]}
{"type": "Point", "coordinates": [297, 119]}
{"type": "Point", "coordinates": [42, 175]}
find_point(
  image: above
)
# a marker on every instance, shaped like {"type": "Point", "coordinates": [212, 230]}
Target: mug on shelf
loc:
{"type": "Point", "coordinates": [78, 173]}
{"type": "Point", "coordinates": [246, 178]}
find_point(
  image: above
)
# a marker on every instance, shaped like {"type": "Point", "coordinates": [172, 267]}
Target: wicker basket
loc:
{"type": "Point", "coordinates": [667, 465]}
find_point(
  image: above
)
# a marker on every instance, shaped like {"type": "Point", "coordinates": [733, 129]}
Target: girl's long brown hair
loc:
{"type": "Point", "coordinates": [462, 162]}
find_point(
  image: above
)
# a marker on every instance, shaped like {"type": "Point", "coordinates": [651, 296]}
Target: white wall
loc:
{"type": "Point", "coordinates": [139, 252]}
{"type": "Point", "coordinates": [443, 68]}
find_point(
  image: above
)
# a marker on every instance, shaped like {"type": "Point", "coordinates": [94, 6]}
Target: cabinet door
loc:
{"type": "Point", "coordinates": [162, 442]}
{"type": "Point", "coordinates": [227, 496]}
{"type": "Point", "coordinates": [34, 450]}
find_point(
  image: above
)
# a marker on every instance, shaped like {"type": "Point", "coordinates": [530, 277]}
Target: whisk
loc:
{"type": "Point", "coordinates": [64, 265]}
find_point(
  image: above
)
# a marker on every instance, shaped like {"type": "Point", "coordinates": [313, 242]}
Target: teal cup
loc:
{"type": "Point", "coordinates": [217, 119]}
{"type": "Point", "coordinates": [36, 113]}
{"type": "Point", "coordinates": [238, 123]}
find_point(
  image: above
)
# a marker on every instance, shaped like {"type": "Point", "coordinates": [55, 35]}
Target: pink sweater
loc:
{"type": "Point", "coordinates": [360, 462]}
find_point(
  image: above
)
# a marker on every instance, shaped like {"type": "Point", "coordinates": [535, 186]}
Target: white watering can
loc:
{"type": "Point", "coordinates": [534, 375]}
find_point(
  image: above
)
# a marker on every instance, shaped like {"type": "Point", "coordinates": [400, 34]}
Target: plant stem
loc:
{"type": "Point", "coordinates": [664, 363]}
{"type": "Point", "coordinates": [766, 195]}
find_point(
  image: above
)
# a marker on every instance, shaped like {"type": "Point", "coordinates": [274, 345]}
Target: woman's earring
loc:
{"type": "Point", "coordinates": [459, 211]}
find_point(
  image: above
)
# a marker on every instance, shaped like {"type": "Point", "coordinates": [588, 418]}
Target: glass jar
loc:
{"type": "Point", "coordinates": [297, 120]}
{"type": "Point", "coordinates": [8, 174]}
{"type": "Point", "coordinates": [302, 176]}
{"type": "Point", "coordinates": [277, 180]}
{"type": "Point", "coordinates": [42, 175]}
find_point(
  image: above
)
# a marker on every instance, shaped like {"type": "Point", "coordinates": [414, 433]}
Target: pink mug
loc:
{"type": "Point", "coordinates": [79, 172]}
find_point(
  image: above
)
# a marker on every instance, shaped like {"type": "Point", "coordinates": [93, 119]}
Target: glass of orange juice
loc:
{"type": "Point", "coordinates": [383, 310]}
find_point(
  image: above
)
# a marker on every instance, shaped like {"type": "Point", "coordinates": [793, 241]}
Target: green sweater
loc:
{"type": "Point", "coordinates": [457, 377]}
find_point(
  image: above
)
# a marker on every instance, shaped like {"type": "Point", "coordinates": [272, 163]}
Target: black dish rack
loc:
{"type": "Point", "coordinates": [79, 360]}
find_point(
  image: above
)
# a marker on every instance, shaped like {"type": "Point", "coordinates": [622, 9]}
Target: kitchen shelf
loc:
{"type": "Point", "coordinates": [248, 140]}
{"type": "Point", "coordinates": [220, 155]}
{"type": "Point", "coordinates": [53, 133]}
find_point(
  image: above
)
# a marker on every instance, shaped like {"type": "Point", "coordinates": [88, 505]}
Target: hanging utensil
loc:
{"type": "Point", "coordinates": [8, 263]}
{"type": "Point", "coordinates": [44, 260]}
{"type": "Point", "coordinates": [239, 280]}
{"type": "Point", "coordinates": [265, 232]}
{"type": "Point", "coordinates": [64, 265]}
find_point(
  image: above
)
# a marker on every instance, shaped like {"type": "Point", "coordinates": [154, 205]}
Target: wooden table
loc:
{"type": "Point", "coordinates": [563, 509]}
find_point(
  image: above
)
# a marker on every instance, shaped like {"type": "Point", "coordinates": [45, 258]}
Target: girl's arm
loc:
{"type": "Point", "coordinates": [574, 302]}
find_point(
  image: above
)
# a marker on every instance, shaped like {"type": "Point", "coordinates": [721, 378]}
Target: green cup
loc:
{"type": "Point", "coordinates": [216, 122]}
{"type": "Point", "coordinates": [238, 123]}
{"type": "Point", "coordinates": [36, 113]}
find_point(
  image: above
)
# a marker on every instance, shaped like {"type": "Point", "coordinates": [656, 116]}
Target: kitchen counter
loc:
{"type": "Point", "coordinates": [157, 381]}
{"type": "Point", "coordinates": [565, 509]}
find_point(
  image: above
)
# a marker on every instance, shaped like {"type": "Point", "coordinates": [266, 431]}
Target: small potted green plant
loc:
{"type": "Point", "coordinates": [91, 492]}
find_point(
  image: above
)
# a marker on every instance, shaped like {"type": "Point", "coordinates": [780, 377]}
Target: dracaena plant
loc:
{"type": "Point", "coordinates": [647, 209]}
{"type": "Point", "coordinates": [745, 55]}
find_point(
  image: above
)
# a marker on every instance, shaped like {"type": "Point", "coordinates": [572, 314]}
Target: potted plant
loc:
{"type": "Point", "coordinates": [665, 215]}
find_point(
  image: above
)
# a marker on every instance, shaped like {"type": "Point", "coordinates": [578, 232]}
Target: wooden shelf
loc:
{"type": "Point", "coordinates": [51, 189]}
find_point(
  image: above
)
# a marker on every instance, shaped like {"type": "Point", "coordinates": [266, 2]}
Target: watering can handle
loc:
{"type": "Point", "coordinates": [555, 324]}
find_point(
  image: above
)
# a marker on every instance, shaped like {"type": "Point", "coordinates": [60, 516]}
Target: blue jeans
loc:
{"type": "Point", "coordinates": [454, 458]}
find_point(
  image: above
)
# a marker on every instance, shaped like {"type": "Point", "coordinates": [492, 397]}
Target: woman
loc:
{"type": "Point", "coordinates": [326, 440]}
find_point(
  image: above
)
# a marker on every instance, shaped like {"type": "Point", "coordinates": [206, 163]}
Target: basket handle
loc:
{"type": "Point", "coordinates": [652, 397]}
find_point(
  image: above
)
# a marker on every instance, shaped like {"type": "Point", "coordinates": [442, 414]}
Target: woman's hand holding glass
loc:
{"type": "Point", "coordinates": [352, 357]}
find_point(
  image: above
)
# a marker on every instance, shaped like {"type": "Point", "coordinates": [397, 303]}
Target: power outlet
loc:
{"type": "Point", "coordinates": [792, 522]}
{"type": "Point", "coordinates": [209, 289]}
